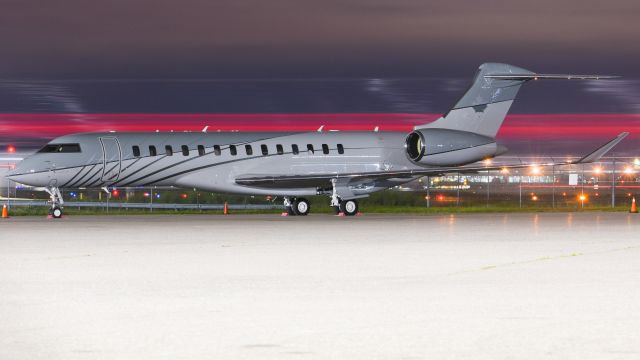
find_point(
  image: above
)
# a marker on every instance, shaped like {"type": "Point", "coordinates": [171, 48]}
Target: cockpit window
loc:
{"type": "Point", "coordinates": [60, 148]}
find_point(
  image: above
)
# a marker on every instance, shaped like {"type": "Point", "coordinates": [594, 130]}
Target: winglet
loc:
{"type": "Point", "coordinates": [599, 152]}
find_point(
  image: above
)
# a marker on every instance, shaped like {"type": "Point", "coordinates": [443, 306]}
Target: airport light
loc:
{"type": "Point", "coordinates": [534, 198]}
{"type": "Point", "coordinates": [115, 192]}
{"type": "Point", "coordinates": [11, 149]}
{"type": "Point", "coordinates": [487, 162]}
{"type": "Point", "coordinates": [184, 195]}
{"type": "Point", "coordinates": [636, 162]}
{"type": "Point", "coordinates": [440, 197]}
{"type": "Point", "coordinates": [146, 194]}
{"type": "Point", "coordinates": [582, 199]}
{"type": "Point", "coordinates": [535, 170]}
{"type": "Point", "coordinates": [597, 170]}
{"type": "Point", "coordinates": [504, 170]}
{"type": "Point", "coordinates": [628, 170]}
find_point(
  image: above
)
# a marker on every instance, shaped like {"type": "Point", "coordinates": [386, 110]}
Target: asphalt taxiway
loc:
{"type": "Point", "coordinates": [490, 286]}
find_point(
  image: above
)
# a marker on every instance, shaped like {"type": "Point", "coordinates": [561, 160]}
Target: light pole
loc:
{"type": "Point", "coordinates": [520, 188]}
{"type": "Point", "coordinates": [458, 190]}
{"type": "Point", "coordinates": [487, 205]}
{"type": "Point", "coordinates": [613, 184]}
{"type": "Point", "coordinates": [428, 192]}
{"type": "Point", "coordinates": [553, 186]}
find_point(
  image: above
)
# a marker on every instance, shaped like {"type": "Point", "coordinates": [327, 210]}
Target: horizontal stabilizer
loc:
{"type": "Point", "coordinates": [525, 77]}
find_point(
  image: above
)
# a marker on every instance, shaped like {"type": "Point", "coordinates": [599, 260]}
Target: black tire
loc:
{"type": "Point", "coordinates": [301, 207]}
{"type": "Point", "coordinates": [56, 212]}
{"type": "Point", "coordinates": [349, 207]}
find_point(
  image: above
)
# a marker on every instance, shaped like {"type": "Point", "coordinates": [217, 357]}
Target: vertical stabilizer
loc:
{"type": "Point", "coordinates": [483, 107]}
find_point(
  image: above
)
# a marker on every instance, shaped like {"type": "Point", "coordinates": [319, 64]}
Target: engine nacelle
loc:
{"type": "Point", "coordinates": [444, 147]}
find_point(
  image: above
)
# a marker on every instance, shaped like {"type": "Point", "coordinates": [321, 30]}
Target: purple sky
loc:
{"type": "Point", "coordinates": [311, 38]}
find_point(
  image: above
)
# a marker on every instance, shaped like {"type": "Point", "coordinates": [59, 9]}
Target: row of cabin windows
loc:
{"type": "Point", "coordinates": [234, 150]}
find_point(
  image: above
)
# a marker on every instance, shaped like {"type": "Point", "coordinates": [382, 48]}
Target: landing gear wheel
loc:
{"type": "Point", "coordinates": [301, 206]}
{"type": "Point", "coordinates": [56, 212]}
{"type": "Point", "coordinates": [349, 207]}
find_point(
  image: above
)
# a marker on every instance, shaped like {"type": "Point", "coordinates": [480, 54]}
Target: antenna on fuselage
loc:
{"type": "Point", "coordinates": [320, 128]}
{"type": "Point", "coordinates": [205, 129]}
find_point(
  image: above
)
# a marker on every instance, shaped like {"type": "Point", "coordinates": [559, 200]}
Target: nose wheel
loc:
{"type": "Point", "coordinates": [56, 202]}
{"type": "Point", "coordinates": [56, 212]}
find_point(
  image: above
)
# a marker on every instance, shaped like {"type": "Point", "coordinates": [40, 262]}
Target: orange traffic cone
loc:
{"type": "Point", "coordinates": [225, 209]}
{"type": "Point", "coordinates": [5, 212]}
{"type": "Point", "coordinates": [634, 208]}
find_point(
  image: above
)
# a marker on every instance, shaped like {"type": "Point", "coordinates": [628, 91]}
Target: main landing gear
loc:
{"type": "Point", "coordinates": [56, 202]}
{"type": "Point", "coordinates": [340, 206]}
{"type": "Point", "coordinates": [297, 206]}
{"type": "Point", "coordinates": [300, 206]}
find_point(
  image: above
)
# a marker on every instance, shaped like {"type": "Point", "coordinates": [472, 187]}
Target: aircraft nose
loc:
{"type": "Point", "coordinates": [22, 175]}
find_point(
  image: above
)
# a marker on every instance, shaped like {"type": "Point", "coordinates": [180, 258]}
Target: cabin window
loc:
{"type": "Point", "coordinates": [216, 150]}
{"type": "Point", "coordinates": [265, 150]}
{"type": "Point", "coordinates": [248, 149]}
{"type": "Point", "coordinates": [233, 150]}
{"type": "Point", "coordinates": [294, 149]}
{"type": "Point", "coordinates": [152, 150]}
{"type": "Point", "coordinates": [136, 150]}
{"type": "Point", "coordinates": [201, 150]}
{"type": "Point", "coordinates": [185, 150]}
{"type": "Point", "coordinates": [340, 149]}
{"type": "Point", "coordinates": [279, 149]}
{"type": "Point", "coordinates": [310, 148]}
{"type": "Point", "coordinates": [168, 150]}
{"type": "Point", "coordinates": [325, 149]}
{"type": "Point", "coordinates": [60, 148]}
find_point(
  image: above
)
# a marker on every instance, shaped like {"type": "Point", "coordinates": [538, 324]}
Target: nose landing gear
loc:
{"type": "Point", "coordinates": [56, 202]}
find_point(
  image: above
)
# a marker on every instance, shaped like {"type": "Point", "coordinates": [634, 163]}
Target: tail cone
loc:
{"type": "Point", "coordinates": [633, 210]}
{"type": "Point", "coordinates": [5, 212]}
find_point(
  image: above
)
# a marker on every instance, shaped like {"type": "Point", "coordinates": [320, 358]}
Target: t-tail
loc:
{"type": "Point", "coordinates": [467, 132]}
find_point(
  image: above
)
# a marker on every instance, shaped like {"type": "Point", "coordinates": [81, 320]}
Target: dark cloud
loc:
{"type": "Point", "coordinates": [291, 38]}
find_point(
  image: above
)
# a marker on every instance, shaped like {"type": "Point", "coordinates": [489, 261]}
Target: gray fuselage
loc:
{"type": "Point", "coordinates": [208, 162]}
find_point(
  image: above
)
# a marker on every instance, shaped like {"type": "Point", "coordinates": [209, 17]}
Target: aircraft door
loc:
{"type": "Point", "coordinates": [111, 159]}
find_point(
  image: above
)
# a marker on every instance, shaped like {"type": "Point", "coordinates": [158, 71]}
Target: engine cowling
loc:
{"type": "Point", "coordinates": [444, 147]}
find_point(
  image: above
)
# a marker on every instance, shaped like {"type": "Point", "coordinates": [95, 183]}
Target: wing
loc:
{"type": "Point", "coordinates": [324, 180]}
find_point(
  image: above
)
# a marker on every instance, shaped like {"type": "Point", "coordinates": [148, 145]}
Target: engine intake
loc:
{"type": "Point", "coordinates": [444, 147]}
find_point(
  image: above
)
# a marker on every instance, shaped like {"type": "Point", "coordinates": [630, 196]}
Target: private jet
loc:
{"type": "Point", "coordinates": [345, 166]}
